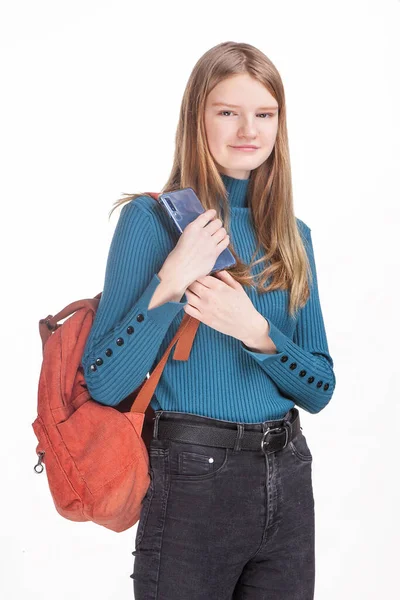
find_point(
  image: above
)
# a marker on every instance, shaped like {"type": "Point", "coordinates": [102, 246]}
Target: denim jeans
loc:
{"type": "Point", "coordinates": [225, 523]}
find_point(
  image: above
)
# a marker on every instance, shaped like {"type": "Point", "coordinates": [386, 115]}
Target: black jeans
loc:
{"type": "Point", "coordinates": [226, 524]}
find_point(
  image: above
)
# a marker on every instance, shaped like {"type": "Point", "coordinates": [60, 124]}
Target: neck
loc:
{"type": "Point", "coordinates": [237, 191]}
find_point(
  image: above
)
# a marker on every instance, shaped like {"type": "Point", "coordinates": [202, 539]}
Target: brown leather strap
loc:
{"type": "Point", "coordinates": [185, 334]}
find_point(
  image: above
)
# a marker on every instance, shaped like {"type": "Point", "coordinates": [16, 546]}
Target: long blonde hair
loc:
{"type": "Point", "coordinates": [270, 186]}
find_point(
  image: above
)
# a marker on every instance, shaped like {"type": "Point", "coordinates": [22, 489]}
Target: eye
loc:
{"type": "Point", "coordinates": [229, 111]}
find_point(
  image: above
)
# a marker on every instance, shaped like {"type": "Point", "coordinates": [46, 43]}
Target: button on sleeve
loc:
{"type": "Point", "coordinates": [306, 353]}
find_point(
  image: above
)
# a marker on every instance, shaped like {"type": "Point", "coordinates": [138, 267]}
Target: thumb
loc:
{"type": "Point", "coordinates": [226, 277]}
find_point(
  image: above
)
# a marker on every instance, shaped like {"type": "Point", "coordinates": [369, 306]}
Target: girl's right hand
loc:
{"type": "Point", "coordinates": [197, 249]}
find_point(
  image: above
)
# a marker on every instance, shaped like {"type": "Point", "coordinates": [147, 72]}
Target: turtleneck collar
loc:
{"type": "Point", "coordinates": [237, 191]}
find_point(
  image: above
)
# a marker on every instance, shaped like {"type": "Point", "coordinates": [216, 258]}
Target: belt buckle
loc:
{"type": "Point", "coordinates": [268, 431]}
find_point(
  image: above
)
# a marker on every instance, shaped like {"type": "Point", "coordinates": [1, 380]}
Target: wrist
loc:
{"type": "Point", "coordinates": [259, 340]}
{"type": "Point", "coordinates": [169, 279]}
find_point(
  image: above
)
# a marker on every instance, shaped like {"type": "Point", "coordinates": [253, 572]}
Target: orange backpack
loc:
{"type": "Point", "coordinates": [96, 456]}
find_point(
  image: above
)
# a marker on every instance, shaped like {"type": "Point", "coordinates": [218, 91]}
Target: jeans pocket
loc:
{"type": "Point", "coordinates": [193, 462]}
{"type": "Point", "coordinates": [299, 447]}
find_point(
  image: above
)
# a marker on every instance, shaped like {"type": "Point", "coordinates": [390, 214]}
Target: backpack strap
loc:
{"type": "Point", "coordinates": [184, 337]}
{"type": "Point", "coordinates": [48, 325]}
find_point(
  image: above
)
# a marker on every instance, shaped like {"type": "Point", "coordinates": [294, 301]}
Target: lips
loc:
{"type": "Point", "coordinates": [245, 149]}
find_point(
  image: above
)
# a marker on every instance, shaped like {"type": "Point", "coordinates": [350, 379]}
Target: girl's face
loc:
{"type": "Point", "coordinates": [253, 120]}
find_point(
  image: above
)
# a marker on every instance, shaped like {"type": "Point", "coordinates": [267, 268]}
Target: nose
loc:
{"type": "Point", "coordinates": [248, 129]}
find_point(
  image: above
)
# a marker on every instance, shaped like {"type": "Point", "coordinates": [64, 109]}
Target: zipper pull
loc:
{"type": "Point", "coordinates": [38, 468]}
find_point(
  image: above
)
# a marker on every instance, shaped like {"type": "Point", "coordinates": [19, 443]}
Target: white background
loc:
{"type": "Point", "coordinates": [90, 96]}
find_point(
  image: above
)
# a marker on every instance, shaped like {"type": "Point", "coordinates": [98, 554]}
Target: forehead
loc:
{"type": "Point", "coordinates": [241, 91]}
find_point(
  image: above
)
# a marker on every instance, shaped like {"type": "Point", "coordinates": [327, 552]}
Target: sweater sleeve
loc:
{"type": "Point", "coordinates": [125, 335]}
{"type": "Point", "coordinates": [302, 368]}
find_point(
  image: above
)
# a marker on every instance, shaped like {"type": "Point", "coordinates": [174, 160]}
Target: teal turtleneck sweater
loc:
{"type": "Point", "coordinates": [222, 379]}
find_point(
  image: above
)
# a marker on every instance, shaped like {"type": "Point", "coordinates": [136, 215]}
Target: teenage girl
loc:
{"type": "Point", "coordinates": [229, 512]}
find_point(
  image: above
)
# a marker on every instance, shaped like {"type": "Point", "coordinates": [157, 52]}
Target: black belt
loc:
{"type": "Point", "coordinates": [270, 438]}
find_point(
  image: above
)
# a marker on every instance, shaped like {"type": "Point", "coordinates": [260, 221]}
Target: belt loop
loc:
{"type": "Point", "coordinates": [288, 415]}
{"type": "Point", "coordinates": [240, 432]}
{"type": "Point", "coordinates": [287, 425]}
{"type": "Point", "coordinates": [158, 414]}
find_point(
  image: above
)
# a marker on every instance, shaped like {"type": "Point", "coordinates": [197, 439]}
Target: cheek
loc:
{"type": "Point", "coordinates": [273, 132]}
{"type": "Point", "coordinates": [217, 143]}
{"type": "Point", "coordinates": [216, 136]}
{"type": "Point", "coordinates": [269, 139]}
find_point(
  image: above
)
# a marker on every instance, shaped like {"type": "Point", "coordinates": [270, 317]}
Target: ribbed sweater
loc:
{"type": "Point", "coordinates": [222, 378]}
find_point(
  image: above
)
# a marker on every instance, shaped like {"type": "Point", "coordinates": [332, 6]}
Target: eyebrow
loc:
{"type": "Point", "coordinates": [236, 106]}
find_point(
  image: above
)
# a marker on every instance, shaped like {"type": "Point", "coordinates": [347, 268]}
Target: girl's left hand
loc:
{"type": "Point", "coordinates": [221, 303]}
